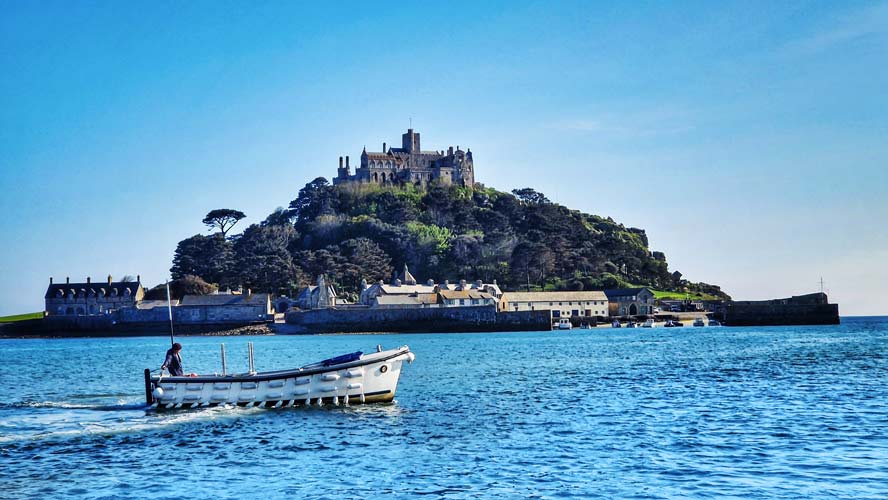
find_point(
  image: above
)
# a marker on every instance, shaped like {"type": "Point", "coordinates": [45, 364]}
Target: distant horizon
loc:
{"type": "Point", "coordinates": [747, 140]}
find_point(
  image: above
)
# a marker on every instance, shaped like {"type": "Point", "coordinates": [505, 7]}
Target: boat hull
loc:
{"type": "Point", "coordinates": [371, 379]}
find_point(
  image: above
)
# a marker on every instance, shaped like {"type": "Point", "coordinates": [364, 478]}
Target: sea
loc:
{"type": "Point", "coordinates": [770, 413]}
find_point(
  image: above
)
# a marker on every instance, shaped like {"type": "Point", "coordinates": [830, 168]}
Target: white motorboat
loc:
{"type": "Point", "coordinates": [648, 324]}
{"type": "Point", "coordinates": [699, 322]}
{"type": "Point", "coordinates": [564, 324]}
{"type": "Point", "coordinates": [714, 322]}
{"type": "Point", "coordinates": [354, 378]}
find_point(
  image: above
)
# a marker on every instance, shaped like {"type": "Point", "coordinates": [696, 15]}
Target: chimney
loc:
{"type": "Point", "coordinates": [346, 162]}
{"type": "Point", "coordinates": [450, 150]}
{"type": "Point", "coordinates": [138, 278]}
{"type": "Point", "coordinates": [110, 279]}
{"type": "Point", "coordinates": [383, 147]}
{"type": "Point", "coordinates": [340, 162]}
{"type": "Point", "coordinates": [67, 280]}
{"type": "Point", "coordinates": [50, 280]}
{"type": "Point", "coordinates": [88, 280]}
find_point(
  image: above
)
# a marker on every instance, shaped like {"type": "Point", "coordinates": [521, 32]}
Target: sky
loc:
{"type": "Point", "coordinates": [749, 139]}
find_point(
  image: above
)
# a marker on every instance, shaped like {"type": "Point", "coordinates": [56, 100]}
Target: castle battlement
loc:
{"type": "Point", "coordinates": [410, 164]}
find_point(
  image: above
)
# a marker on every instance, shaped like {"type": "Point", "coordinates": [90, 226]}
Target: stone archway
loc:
{"type": "Point", "coordinates": [633, 310]}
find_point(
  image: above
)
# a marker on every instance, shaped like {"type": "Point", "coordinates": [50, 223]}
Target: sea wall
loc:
{"type": "Point", "coordinates": [194, 314]}
{"type": "Point", "coordinates": [780, 313]}
{"type": "Point", "coordinates": [416, 319]}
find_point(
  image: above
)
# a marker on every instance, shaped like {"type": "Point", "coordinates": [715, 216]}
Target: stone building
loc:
{"type": "Point", "coordinates": [382, 293]}
{"type": "Point", "coordinates": [562, 304]}
{"type": "Point", "coordinates": [410, 164]}
{"type": "Point", "coordinates": [631, 301]}
{"type": "Point", "coordinates": [318, 297]}
{"type": "Point", "coordinates": [89, 299]}
{"type": "Point", "coordinates": [225, 308]}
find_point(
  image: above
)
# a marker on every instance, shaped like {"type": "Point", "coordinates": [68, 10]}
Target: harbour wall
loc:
{"type": "Point", "coordinates": [416, 319]}
{"type": "Point", "coordinates": [812, 309]}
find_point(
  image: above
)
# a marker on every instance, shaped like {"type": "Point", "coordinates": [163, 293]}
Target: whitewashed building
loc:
{"type": "Point", "coordinates": [562, 304]}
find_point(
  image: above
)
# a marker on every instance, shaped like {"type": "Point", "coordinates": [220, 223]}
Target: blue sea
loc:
{"type": "Point", "coordinates": [783, 412]}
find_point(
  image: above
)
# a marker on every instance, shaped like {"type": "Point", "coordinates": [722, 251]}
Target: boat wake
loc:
{"type": "Point", "coordinates": [121, 406]}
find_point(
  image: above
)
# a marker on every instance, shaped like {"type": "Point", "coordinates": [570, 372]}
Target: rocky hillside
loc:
{"type": "Point", "coordinates": [355, 232]}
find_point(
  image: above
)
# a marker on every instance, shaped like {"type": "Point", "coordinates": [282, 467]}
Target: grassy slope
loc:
{"type": "Point", "coordinates": [21, 317]}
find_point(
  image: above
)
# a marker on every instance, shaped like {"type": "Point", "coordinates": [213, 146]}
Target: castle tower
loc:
{"type": "Point", "coordinates": [410, 141]}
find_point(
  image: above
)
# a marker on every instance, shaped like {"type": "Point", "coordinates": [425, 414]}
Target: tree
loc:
{"type": "Point", "coordinates": [530, 196]}
{"type": "Point", "coordinates": [315, 199]}
{"type": "Point", "coordinates": [208, 257]}
{"type": "Point", "coordinates": [362, 259]}
{"type": "Point", "coordinates": [186, 285]}
{"type": "Point", "coordinates": [263, 261]}
{"type": "Point", "coordinates": [280, 217]}
{"type": "Point", "coordinates": [223, 218]}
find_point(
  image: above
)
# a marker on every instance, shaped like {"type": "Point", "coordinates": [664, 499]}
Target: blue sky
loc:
{"type": "Point", "coordinates": [749, 139]}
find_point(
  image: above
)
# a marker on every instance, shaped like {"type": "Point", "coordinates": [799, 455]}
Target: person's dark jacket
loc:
{"type": "Point", "coordinates": [173, 363]}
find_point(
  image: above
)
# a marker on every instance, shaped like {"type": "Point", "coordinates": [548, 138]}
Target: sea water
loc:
{"type": "Point", "coordinates": [783, 412]}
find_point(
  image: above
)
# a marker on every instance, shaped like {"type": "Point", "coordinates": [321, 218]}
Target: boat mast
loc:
{"type": "Point", "coordinates": [170, 309]}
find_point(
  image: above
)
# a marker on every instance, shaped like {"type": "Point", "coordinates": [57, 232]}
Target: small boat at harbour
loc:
{"type": "Point", "coordinates": [564, 324]}
{"type": "Point", "coordinates": [699, 322]}
{"type": "Point", "coordinates": [616, 324]}
{"type": "Point", "coordinates": [648, 324]}
{"type": "Point", "coordinates": [354, 378]}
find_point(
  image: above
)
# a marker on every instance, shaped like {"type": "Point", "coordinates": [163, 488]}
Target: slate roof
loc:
{"type": "Point", "coordinates": [465, 294]}
{"type": "Point", "coordinates": [553, 296]}
{"type": "Point", "coordinates": [95, 288]}
{"type": "Point", "coordinates": [225, 299]}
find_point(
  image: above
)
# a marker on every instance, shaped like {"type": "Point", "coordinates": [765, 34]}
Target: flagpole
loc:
{"type": "Point", "coordinates": [170, 308]}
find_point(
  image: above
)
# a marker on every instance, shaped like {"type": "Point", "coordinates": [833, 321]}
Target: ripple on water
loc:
{"type": "Point", "coordinates": [751, 413]}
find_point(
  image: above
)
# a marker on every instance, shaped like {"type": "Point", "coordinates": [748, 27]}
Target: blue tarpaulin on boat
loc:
{"type": "Point", "coordinates": [345, 358]}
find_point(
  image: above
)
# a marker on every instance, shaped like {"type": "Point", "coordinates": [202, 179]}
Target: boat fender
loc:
{"type": "Point", "coordinates": [328, 389]}
{"type": "Point", "coordinates": [345, 400]}
{"type": "Point", "coordinates": [383, 368]}
{"type": "Point", "coordinates": [303, 381]}
{"type": "Point", "coordinates": [354, 373]}
{"type": "Point", "coordinates": [276, 383]}
{"type": "Point", "coordinates": [300, 392]}
{"type": "Point", "coordinates": [336, 400]}
{"type": "Point", "coordinates": [330, 377]}
{"type": "Point", "coordinates": [158, 392]}
{"type": "Point", "coordinates": [410, 357]}
{"type": "Point", "coordinates": [355, 386]}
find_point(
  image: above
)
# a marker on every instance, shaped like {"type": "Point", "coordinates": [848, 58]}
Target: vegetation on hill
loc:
{"type": "Point", "coordinates": [352, 232]}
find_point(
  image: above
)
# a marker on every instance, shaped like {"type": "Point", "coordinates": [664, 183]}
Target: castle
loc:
{"type": "Point", "coordinates": [410, 164]}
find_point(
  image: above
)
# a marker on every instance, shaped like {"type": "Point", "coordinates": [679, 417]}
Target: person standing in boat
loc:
{"type": "Point", "coordinates": [173, 361]}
